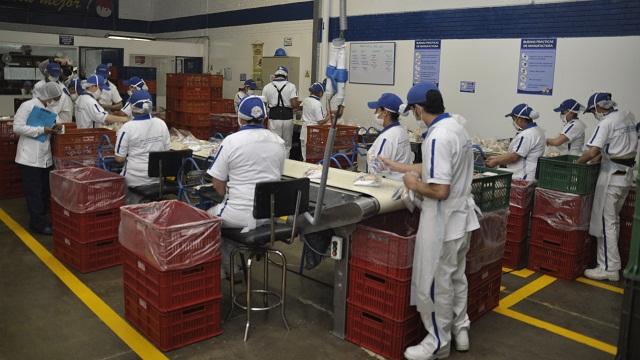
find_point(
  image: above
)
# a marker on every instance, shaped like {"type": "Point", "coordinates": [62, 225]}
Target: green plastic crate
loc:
{"type": "Point", "coordinates": [561, 173]}
{"type": "Point", "coordinates": [492, 192]}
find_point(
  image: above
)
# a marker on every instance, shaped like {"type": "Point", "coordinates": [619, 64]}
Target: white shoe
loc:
{"type": "Point", "coordinates": [599, 273]}
{"type": "Point", "coordinates": [462, 340]}
{"type": "Point", "coordinates": [420, 352]}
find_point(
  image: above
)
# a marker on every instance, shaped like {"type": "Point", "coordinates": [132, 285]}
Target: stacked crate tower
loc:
{"type": "Point", "coordinates": [379, 317]}
{"type": "Point", "coordinates": [85, 214]}
{"type": "Point", "coordinates": [520, 206]}
{"type": "Point", "coordinates": [10, 178]}
{"type": "Point", "coordinates": [224, 120]}
{"type": "Point", "coordinates": [81, 147]}
{"type": "Point", "coordinates": [171, 272]}
{"type": "Point", "coordinates": [560, 243]}
{"type": "Point", "coordinates": [317, 136]}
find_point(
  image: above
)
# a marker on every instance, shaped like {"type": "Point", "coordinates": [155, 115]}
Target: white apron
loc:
{"type": "Point", "coordinates": [607, 169]}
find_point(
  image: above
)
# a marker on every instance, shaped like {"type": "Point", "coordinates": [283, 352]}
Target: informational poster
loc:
{"type": "Point", "coordinates": [537, 66]}
{"type": "Point", "coordinates": [468, 86]}
{"type": "Point", "coordinates": [256, 49]}
{"type": "Point", "coordinates": [65, 39]}
{"type": "Point", "coordinates": [426, 61]}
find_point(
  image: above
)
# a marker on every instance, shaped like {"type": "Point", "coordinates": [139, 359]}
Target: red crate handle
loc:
{"type": "Point", "coordinates": [193, 310]}
{"type": "Point", "coordinates": [372, 317]}
{"type": "Point", "coordinates": [193, 271]}
{"type": "Point", "coordinates": [552, 242]}
{"type": "Point", "coordinates": [104, 243]}
{"type": "Point", "coordinates": [375, 278]}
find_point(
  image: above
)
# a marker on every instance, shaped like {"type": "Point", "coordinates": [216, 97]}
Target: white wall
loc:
{"type": "Point", "coordinates": [583, 66]}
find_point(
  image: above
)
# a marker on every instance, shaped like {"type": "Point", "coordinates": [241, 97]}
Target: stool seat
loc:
{"type": "Point", "coordinates": [151, 191]}
{"type": "Point", "coordinates": [259, 236]}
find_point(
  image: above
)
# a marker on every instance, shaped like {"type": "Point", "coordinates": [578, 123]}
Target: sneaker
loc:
{"type": "Point", "coordinates": [599, 273]}
{"type": "Point", "coordinates": [420, 352]}
{"type": "Point", "coordinates": [462, 340]}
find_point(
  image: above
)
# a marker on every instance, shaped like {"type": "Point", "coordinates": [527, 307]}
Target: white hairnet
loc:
{"type": "Point", "coordinates": [46, 91]}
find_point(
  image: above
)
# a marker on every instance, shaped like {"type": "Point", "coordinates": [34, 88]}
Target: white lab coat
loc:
{"type": "Point", "coordinates": [111, 96]}
{"type": "Point", "coordinates": [574, 131]}
{"type": "Point", "coordinates": [89, 113]}
{"type": "Point", "coordinates": [31, 152]}
{"type": "Point", "coordinates": [617, 138]}
{"type": "Point", "coordinates": [312, 113]}
{"type": "Point", "coordinates": [64, 109]}
{"type": "Point", "coordinates": [127, 110]}
{"type": "Point", "coordinates": [530, 144]}
{"type": "Point", "coordinates": [393, 144]}
{"type": "Point", "coordinates": [438, 285]}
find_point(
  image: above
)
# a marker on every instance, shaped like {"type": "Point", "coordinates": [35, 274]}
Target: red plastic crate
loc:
{"type": "Point", "coordinates": [224, 123]}
{"type": "Point", "coordinates": [174, 329]}
{"type": "Point", "coordinates": [193, 93]}
{"type": "Point", "coordinates": [87, 189]}
{"type": "Point", "coordinates": [559, 263]}
{"type": "Point", "coordinates": [487, 242]}
{"type": "Point", "coordinates": [80, 142]}
{"type": "Point", "coordinates": [317, 135]}
{"type": "Point", "coordinates": [193, 119]}
{"type": "Point", "coordinates": [382, 335]}
{"type": "Point", "coordinates": [483, 299]}
{"type": "Point", "coordinates": [216, 93]}
{"type": "Point", "coordinates": [188, 105]}
{"type": "Point", "coordinates": [85, 227]}
{"type": "Point", "coordinates": [8, 148]}
{"type": "Point", "coordinates": [517, 226]}
{"type": "Point", "coordinates": [74, 162]}
{"type": "Point", "coordinates": [317, 151]}
{"type": "Point", "coordinates": [543, 234]}
{"type": "Point", "coordinates": [387, 240]}
{"type": "Point", "coordinates": [88, 257]}
{"type": "Point", "coordinates": [564, 209]}
{"type": "Point", "coordinates": [170, 235]}
{"type": "Point", "coordinates": [487, 272]}
{"type": "Point", "coordinates": [514, 254]}
{"type": "Point", "coordinates": [382, 295]}
{"type": "Point", "coordinates": [215, 81]}
{"type": "Point", "coordinates": [629, 206]}
{"type": "Point", "coordinates": [521, 197]}
{"type": "Point", "coordinates": [173, 289]}
{"type": "Point", "coordinates": [222, 106]}
{"type": "Point", "coordinates": [399, 274]}
{"type": "Point", "coordinates": [6, 129]}
{"type": "Point", "coordinates": [189, 80]}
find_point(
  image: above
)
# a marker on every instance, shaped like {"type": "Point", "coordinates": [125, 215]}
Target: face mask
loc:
{"type": "Point", "coordinates": [599, 116]}
{"type": "Point", "coordinates": [129, 92]}
{"type": "Point", "coordinates": [96, 94]}
{"type": "Point", "coordinates": [515, 126]}
{"type": "Point", "coordinates": [74, 97]}
{"type": "Point", "coordinates": [563, 118]}
{"type": "Point", "coordinates": [53, 79]}
{"type": "Point", "coordinates": [52, 104]}
{"type": "Point", "coordinates": [377, 122]}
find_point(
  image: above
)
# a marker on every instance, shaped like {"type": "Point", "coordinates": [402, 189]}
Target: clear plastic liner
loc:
{"type": "Point", "coordinates": [522, 193]}
{"type": "Point", "coordinates": [563, 211]}
{"type": "Point", "coordinates": [87, 189]}
{"type": "Point", "coordinates": [488, 242]}
{"type": "Point", "coordinates": [170, 235]}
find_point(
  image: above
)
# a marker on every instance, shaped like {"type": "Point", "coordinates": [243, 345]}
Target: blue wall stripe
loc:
{"type": "Point", "coordinates": [572, 19]}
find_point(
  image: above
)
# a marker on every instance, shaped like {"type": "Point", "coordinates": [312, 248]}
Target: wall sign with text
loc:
{"type": "Point", "coordinates": [536, 67]}
{"type": "Point", "coordinates": [426, 61]}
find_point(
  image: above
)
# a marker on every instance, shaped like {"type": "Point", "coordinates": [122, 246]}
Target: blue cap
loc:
{"type": "Point", "coordinates": [53, 69]}
{"type": "Point", "coordinates": [134, 81]}
{"type": "Point", "coordinates": [98, 80]}
{"type": "Point", "coordinates": [76, 84]}
{"type": "Point", "coordinates": [102, 69]}
{"type": "Point", "coordinates": [316, 88]}
{"type": "Point", "coordinates": [523, 111]}
{"type": "Point", "coordinates": [280, 52]}
{"type": "Point", "coordinates": [568, 105]}
{"type": "Point", "coordinates": [388, 101]}
{"type": "Point", "coordinates": [252, 108]}
{"type": "Point", "coordinates": [418, 93]}
{"type": "Point", "coordinates": [597, 98]}
{"type": "Point", "coordinates": [251, 84]}
{"type": "Point", "coordinates": [138, 98]}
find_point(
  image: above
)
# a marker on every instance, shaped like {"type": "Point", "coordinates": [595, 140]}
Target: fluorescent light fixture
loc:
{"type": "Point", "coordinates": [129, 37]}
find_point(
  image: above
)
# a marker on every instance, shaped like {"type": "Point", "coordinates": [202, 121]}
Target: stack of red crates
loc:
{"type": "Point", "coordinates": [10, 178]}
{"type": "Point", "coordinates": [484, 263]}
{"type": "Point", "coordinates": [224, 124]}
{"type": "Point", "coordinates": [79, 147]}
{"type": "Point", "coordinates": [317, 140]}
{"type": "Point", "coordinates": [379, 317]}
{"type": "Point", "coordinates": [171, 272]}
{"type": "Point", "coordinates": [520, 205]}
{"type": "Point", "coordinates": [626, 224]}
{"type": "Point", "coordinates": [85, 213]}
{"type": "Point", "coordinates": [560, 243]}
{"type": "Point", "coordinates": [189, 99]}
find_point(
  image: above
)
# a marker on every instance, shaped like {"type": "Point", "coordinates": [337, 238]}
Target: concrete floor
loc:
{"type": "Point", "coordinates": [40, 318]}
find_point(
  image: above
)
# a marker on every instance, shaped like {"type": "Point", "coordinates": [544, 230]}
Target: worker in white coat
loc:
{"type": "Point", "coordinates": [526, 148]}
{"type": "Point", "coordinates": [282, 99]}
{"type": "Point", "coordinates": [134, 83]}
{"type": "Point", "coordinates": [65, 105]}
{"type": "Point", "coordinates": [110, 98]}
{"type": "Point", "coordinates": [615, 140]}
{"type": "Point", "coordinates": [247, 89]}
{"type": "Point", "coordinates": [34, 155]}
{"type": "Point", "coordinates": [313, 113]}
{"type": "Point", "coordinates": [571, 139]}
{"type": "Point", "coordinates": [438, 283]}
{"type": "Point", "coordinates": [245, 158]}
{"type": "Point", "coordinates": [136, 139]}
{"type": "Point", "coordinates": [393, 141]}
{"type": "Point", "coordinates": [89, 113]}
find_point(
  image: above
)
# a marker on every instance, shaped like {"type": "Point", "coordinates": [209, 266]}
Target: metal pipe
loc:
{"type": "Point", "coordinates": [317, 23]}
{"type": "Point", "coordinates": [343, 15]}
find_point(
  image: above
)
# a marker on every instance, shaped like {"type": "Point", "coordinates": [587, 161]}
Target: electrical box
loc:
{"type": "Point", "coordinates": [271, 63]}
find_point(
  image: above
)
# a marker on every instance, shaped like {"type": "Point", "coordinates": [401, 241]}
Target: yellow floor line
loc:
{"type": "Point", "coordinates": [600, 285]}
{"type": "Point", "coordinates": [523, 273]}
{"type": "Point", "coordinates": [558, 330]}
{"type": "Point", "coordinates": [118, 325]}
{"type": "Point", "coordinates": [526, 291]}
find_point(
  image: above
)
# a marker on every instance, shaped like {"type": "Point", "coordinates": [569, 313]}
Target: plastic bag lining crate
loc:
{"type": "Point", "coordinates": [382, 335]}
{"type": "Point", "coordinates": [483, 299]}
{"type": "Point", "coordinates": [380, 294]}
{"type": "Point", "coordinates": [521, 196]}
{"type": "Point", "coordinates": [491, 192]}
{"type": "Point", "coordinates": [558, 263]}
{"type": "Point", "coordinates": [174, 329]}
{"type": "Point", "coordinates": [514, 254]}
{"type": "Point", "coordinates": [170, 235]}
{"type": "Point", "coordinates": [87, 257]}
{"type": "Point", "coordinates": [487, 242]}
{"type": "Point", "coordinates": [87, 189]}
{"type": "Point", "coordinates": [561, 173]}
{"type": "Point", "coordinates": [517, 227]}
{"type": "Point", "coordinates": [171, 290]}
{"type": "Point", "coordinates": [544, 234]}
{"type": "Point", "coordinates": [85, 227]}
{"type": "Point", "coordinates": [74, 162]}
{"type": "Point", "coordinates": [485, 274]}
{"type": "Point", "coordinates": [317, 135]}
{"type": "Point", "coordinates": [387, 241]}
{"type": "Point", "coordinates": [563, 210]}
{"type": "Point", "coordinates": [80, 142]}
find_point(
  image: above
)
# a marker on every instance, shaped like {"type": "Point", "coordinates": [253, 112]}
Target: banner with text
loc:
{"type": "Point", "coordinates": [536, 66]}
{"type": "Point", "coordinates": [426, 61]}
